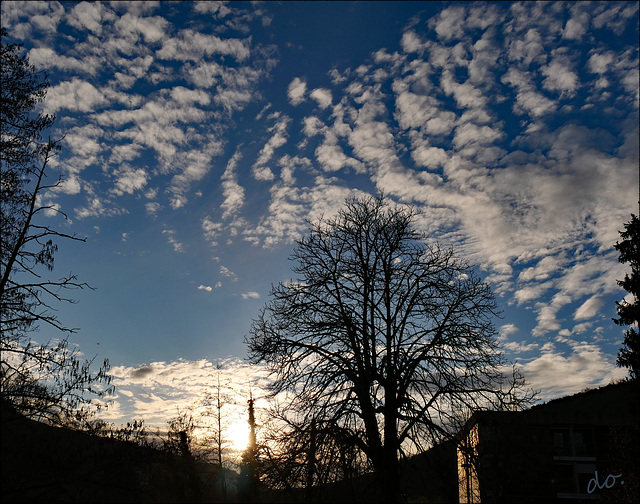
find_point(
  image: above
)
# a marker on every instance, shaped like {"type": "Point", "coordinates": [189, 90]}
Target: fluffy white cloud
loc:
{"type": "Point", "coordinates": [531, 292]}
{"type": "Point", "coordinates": [528, 99]}
{"type": "Point", "coordinates": [519, 347]}
{"type": "Point", "coordinates": [290, 207]}
{"type": "Point", "coordinates": [465, 94]}
{"type": "Point", "coordinates": [129, 180]}
{"type": "Point", "coordinates": [331, 156]}
{"type": "Point", "coordinates": [152, 29]}
{"type": "Point", "coordinates": [449, 23]}
{"type": "Point", "coordinates": [296, 91]}
{"type": "Point", "coordinates": [74, 95]}
{"type": "Point", "coordinates": [95, 207]}
{"type": "Point", "coordinates": [90, 16]}
{"type": "Point", "coordinates": [415, 111]}
{"type": "Point", "coordinates": [576, 26]}
{"type": "Point", "coordinates": [206, 73]}
{"type": "Point", "coordinates": [412, 42]}
{"type": "Point", "coordinates": [543, 268]}
{"type": "Point", "coordinates": [134, 7]}
{"type": "Point", "coordinates": [193, 166]}
{"type": "Point", "coordinates": [600, 62]}
{"type": "Point", "coordinates": [218, 9]}
{"type": "Point", "coordinates": [46, 57]}
{"type": "Point", "coordinates": [186, 96]}
{"type": "Point", "coordinates": [560, 77]}
{"type": "Point", "coordinates": [589, 308]}
{"type": "Point", "coordinates": [84, 141]}
{"type": "Point", "coordinates": [453, 22]}
{"type": "Point", "coordinates": [556, 374]}
{"type": "Point", "coordinates": [322, 96]}
{"type": "Point", "coordinates": [156, 391]}
{"type": "Point", "coordinates": [429, 157]}
{"type": "Point", "coordinates": [24, 18]}
{"type": "Point", "coordinates": [470, 133]}
{"type": "Point", "coordinates": [507, 330]}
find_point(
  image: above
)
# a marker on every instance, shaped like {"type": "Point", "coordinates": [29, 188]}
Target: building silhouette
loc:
{"type": "Point", "coordinates": [577, 448]}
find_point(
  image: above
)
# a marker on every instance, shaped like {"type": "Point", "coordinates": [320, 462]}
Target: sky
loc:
{"type": "Point", "coordinates": [200, 138]}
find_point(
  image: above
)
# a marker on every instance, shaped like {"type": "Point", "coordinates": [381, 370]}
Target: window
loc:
{"type": "Point", "coordinates": [574, 455]}
{"type": "Point", "coordinates": [561, 446]}
{"type": "Point", "coordinates": [583, 443]}
{"type": "Point", "coordinates": [570, 442]}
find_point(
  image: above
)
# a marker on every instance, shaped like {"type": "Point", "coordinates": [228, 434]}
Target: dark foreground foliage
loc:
{"type": "Point", "coordinates": [41, 463]}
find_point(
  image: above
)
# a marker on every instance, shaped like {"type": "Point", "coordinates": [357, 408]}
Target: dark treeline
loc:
{"type": "Point", "coordinates": [43, 463]}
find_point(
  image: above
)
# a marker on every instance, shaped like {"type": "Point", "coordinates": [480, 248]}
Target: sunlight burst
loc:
{"type": "Point", "coordinates": [238, 434]}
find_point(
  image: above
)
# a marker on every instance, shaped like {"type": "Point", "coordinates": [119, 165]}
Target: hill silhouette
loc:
{"type": "Point", "coordinates": [55, 464]}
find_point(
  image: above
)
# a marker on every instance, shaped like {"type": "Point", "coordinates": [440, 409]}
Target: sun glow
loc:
{"type": "Point", "coordinates": [238, 434]}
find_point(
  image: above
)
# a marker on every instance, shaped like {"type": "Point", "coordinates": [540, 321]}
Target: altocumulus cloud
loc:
{"type": "Point", "coordinates": [138, 47]}
{"type": "Point", "coordinates": [556, 373]}
{"type": "Point", "coordinates": [296, 91]}
{"type": "Point", "coordinates": [512, 127]}
{"type": "Point", "coordinates": [157, 391]}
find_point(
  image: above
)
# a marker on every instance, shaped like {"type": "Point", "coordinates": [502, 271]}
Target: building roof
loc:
{"type": "Point", "coordinates": [613, 404]}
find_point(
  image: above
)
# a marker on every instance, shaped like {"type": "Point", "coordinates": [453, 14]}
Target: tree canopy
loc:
{"type": "Point", "coordinates": [629, 312]}
{"type": "Point", "coordinates": [43, 380]}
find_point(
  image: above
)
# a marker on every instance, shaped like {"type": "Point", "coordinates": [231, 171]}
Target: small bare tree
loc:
{"type": "Point", "coordinates": [382, 335]}
{"type": "Point", "coordinates": [308, 456]}
{"type": "Point", "coordinates": [214, 403]}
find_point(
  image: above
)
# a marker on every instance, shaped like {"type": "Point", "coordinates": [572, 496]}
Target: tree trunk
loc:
{"type": "Point", "coordinates": [390, 448]}
{"type": "Point", "coordinates": [392, 483]}
{"type": "Point", "coordinates": [391, 479]}
{"type": "Point", "coordinates": [387, 475]}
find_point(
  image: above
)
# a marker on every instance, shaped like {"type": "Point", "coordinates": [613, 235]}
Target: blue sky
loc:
{"type": "Point", "coordinates": [199, 137]}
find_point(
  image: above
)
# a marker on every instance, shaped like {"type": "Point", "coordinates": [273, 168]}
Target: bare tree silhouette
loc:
{"type": "Point", "coordinates": [382, 335]}
{"type": "Point", "coordinates": [43, 381]}
{"type": "Point", "coordinates": [214, 403]}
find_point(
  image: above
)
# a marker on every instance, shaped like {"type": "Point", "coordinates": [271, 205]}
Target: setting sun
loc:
{"type": "Point", "coordinates": [238, 434]}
